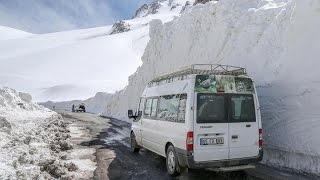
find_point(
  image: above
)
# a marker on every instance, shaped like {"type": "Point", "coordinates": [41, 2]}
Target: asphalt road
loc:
{"type": "Point", "coordinates": [115, 161]}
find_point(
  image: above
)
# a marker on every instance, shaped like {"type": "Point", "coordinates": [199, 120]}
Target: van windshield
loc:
{"type": "Point", "coordinates": [224, 108]}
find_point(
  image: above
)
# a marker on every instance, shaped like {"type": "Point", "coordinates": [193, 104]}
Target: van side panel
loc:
{"type": "Point", "coordinates": [150, 135]}
{"type": "Point", "coordinates": [157, 133]}
{"type": "Point", "coordinates": [170, 132]}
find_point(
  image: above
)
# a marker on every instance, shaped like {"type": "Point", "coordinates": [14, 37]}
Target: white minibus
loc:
{"type": "Point", "coordinates": [203, 116]}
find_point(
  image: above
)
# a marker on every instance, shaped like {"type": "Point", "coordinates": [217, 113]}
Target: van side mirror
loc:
{"type": "Point", "coordinates": [130, 114]}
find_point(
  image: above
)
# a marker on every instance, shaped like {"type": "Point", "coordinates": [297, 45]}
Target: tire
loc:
{"type": "Point", "coordinates": [135, 148]}
{"type": "Point", "coordinates": [172, 163]}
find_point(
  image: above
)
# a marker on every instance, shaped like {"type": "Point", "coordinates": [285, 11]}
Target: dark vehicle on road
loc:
{"type": "Point", "coordinates": [79, 108]}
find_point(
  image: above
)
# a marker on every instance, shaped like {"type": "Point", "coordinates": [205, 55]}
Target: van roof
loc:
{"type": "Point", "coordinates": [201, 69]}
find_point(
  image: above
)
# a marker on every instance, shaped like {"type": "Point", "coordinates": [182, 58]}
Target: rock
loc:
{"type": "Point", "coordinates": [5, 126]}
{"type": "Point", "coordinates": [25, 97]}
{"type": "Point", "coordinates": [27, 140]}
{"type": "Point", "coordinates": [15, 164]}
{"type": "Point", "coordinates": [65, 145]}
{"type": "Point", "coordinates": [202, 1]}
{"type": "Point", "coordinates": [120, 27]}
{"type": "Point", "coordinates": [71, 166]}
{"type": "Point", "coordinates": [53, 167]}
{"type": "Point", "coordinates": [147, 9]}
{"type": "Point", "coordinates": [23, 159]}
{"type": "Point", "coordinates": [22, 106]}
{"type": "Point", "coordinates": [185, 6]}
{"type": "Point", "coordinates": [142, 9]}
{"type": "Point", "coordinates": [63, 157]}
{"type": "Point", "coordinates": [67, 177]}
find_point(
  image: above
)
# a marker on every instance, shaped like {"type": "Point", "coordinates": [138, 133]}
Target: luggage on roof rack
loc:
{"type": "Point", "coordinates": [201, 69]}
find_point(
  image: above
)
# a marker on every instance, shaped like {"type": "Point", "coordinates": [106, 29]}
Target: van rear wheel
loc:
{"type": "Point", "coordinates": [172, 162]}
{"type": "Point", "coordinates": [133, 143]}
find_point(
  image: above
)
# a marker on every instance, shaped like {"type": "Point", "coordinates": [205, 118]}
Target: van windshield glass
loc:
{"type": "Point", "coordinates": [242, 108]}
{"type": "Point", "coordinates": [211, 108]}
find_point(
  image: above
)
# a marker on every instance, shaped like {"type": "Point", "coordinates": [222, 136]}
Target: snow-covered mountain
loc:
{"type": "Point", "coordinates": [278, 43]}
{"type": "Point", "coordinates": [60, 15]}
{"type": "Point", "coordinates": [76, 64]}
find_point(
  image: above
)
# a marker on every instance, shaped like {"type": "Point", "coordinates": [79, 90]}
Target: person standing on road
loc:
{"type": "Point", "coordinates": [72, 107]}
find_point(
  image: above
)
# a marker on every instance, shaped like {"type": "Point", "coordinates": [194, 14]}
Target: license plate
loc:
{"type": "Point", "coordinates": [211, 141]}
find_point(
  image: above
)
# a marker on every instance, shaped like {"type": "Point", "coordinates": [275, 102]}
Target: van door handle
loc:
{"type": "Point", "coordinates": [234, 136]}
{"type": "Point", "coordinates": [248, 125]}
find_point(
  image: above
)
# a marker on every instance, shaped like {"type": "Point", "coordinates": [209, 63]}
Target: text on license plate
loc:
{"type": "Point", "coordinates": [211, 141]}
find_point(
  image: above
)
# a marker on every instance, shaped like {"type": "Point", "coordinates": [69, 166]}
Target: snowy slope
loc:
{"type": "Point", "coordinates": [76, 64]}
{"type": "Point", "coordinates": [277, 41]}
{"type": "Point", "coordinates": [10, 33]}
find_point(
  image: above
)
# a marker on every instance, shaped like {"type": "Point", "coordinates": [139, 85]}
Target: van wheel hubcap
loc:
{"type": "Point", "coordinates": [171, 161]}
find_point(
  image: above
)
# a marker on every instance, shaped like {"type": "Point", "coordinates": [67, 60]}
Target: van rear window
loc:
{"type": "Point", "coordinates": [225, 108]}
{"type": "Point", "coordinates": [211, 108]}
{"type": "Point", "coordinates": [242, 108]}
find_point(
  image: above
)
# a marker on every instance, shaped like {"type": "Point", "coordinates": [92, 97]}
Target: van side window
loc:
{"type": "Point", "coordinates": [147, 110]}
{"type": "Point", "coordinates": [168, 108]}
{"type": "Point", "coordinates": [154, 108]}
{"type": "Point", "coordinates": [140, 108]}
{"type": "Point", "coordinates": [182, 108]}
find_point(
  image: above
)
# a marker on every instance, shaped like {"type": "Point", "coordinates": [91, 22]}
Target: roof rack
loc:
{"type": "Point", "coordinates": [201, 69]}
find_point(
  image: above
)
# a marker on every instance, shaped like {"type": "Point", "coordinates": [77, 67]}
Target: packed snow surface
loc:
{"type": "Point", "coordinates": [276, 40]}
{"type": "Point", "coordinates": [77, 64]}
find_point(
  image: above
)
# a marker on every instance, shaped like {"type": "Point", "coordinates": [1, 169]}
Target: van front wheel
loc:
{"type": "Point", "coordinates": [133, 143]}
{"type": "Point", "coordinates": [172, 163]}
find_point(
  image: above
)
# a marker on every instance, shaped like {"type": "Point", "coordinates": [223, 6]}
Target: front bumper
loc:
{"type": "Point", "coordinates": [186, 159]}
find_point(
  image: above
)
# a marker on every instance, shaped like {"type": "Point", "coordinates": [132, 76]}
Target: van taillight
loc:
{"type": "Point", "coordinates": [189, 141]}
{"type": "Point", "coordinates": [260, 138]}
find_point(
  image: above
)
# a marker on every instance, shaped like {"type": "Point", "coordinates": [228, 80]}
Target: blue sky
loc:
{"type": "Point", "coordinates": [43, 16]}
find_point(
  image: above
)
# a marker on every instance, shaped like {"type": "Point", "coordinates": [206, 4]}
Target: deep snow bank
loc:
{"type": "Point", "coordinates": [31, 137]}
{"type": "Point", "coordinates": [277, 41]}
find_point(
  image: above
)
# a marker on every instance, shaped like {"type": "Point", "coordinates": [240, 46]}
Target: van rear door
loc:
{"type": "Point", "coordinates": [243, 127]}
{"type": "Point", "coordinates": [211, 128]}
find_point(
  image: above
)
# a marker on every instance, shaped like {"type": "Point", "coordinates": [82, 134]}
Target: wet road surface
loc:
{"type": "Point", "coordinates": [116, 161]}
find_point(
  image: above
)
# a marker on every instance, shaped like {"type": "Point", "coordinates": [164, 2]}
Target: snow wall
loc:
{"type": "Point", "coordinates": [277, 41]}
